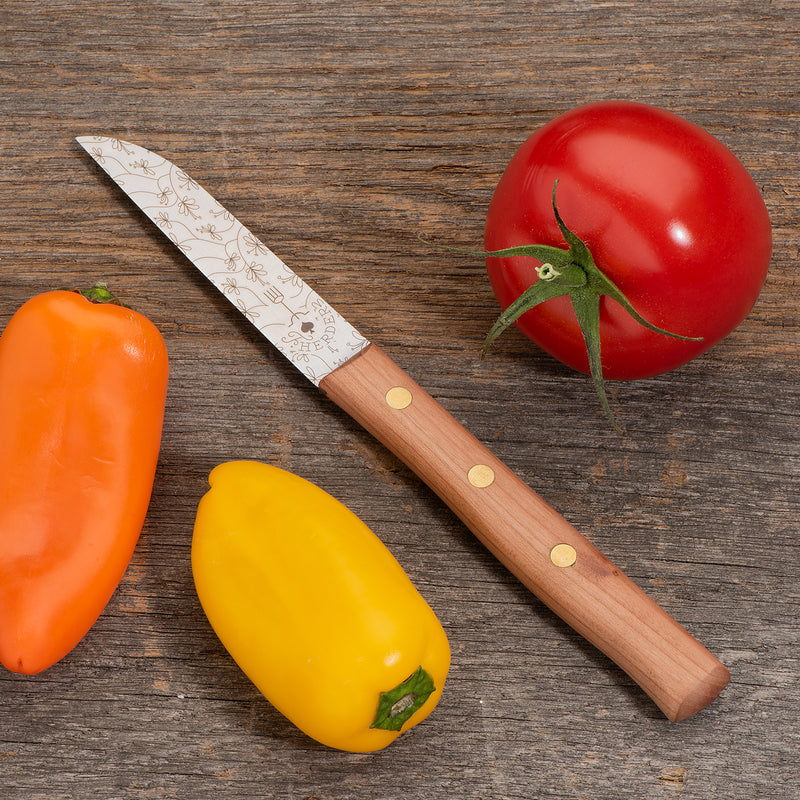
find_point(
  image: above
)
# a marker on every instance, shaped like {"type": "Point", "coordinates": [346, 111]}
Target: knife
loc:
{"type": "Point", "coordinates": [544, 551]}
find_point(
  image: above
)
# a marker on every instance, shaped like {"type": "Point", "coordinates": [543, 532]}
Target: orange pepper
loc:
{"type": "Point", "coordinates": [82, 392]}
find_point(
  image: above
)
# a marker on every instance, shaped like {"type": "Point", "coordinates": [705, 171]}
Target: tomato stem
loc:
{"type": "Point", "coordinates": [571, 272]}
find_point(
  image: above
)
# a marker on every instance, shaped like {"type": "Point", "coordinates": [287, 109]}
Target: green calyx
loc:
{"type": "Point", "coordinates": [100, 294]}
{"type": "Point", "coordinates": [398, 705]}
{"type": "Point", "coordinates": [570, 272]}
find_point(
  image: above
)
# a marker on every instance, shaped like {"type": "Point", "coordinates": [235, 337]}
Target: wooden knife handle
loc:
{"type": "Point", "coordinates": [563, 569]}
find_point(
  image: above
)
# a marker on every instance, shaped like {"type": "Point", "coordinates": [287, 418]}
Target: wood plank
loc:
{"type": "Point", "coordinates": [340, 132]}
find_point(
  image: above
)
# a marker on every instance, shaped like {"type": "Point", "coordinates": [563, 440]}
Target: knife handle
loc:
{"type": "Point", "coordinates": [562, 568]}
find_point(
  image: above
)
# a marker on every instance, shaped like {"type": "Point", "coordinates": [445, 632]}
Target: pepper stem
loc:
{"type": "Point", "coordinates": [100, 293]}
{"type": "Point", "coordinates": [396, 706]}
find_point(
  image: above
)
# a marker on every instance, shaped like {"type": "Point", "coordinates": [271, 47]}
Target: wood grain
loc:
{"type": "Point", "coordinates": [340, 132]}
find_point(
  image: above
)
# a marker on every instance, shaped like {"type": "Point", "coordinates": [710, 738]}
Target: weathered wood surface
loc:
{"type": "Point", "coordinates": [340, 131]}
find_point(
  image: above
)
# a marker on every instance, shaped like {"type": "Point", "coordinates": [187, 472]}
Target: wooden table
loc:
{"type": "Point", "coordinates": [340, 132]}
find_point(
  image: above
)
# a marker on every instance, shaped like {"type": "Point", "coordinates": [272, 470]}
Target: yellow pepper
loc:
{"type": "Point", "coordinates": [315, 609]}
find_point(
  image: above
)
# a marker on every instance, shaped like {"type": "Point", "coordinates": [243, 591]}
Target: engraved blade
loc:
{"type": "Point", "coordinates": [311, 334]}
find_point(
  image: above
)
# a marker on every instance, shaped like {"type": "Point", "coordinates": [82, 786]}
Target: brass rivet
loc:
{"type": "Point", "coordinates": [398, 397]}
{"type": "Point", "coordinates": [481, 476]}
{"type": "Point", "coordinates": [563, 555]}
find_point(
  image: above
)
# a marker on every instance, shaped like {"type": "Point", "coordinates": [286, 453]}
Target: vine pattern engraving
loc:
{"type": "Point", "coordinates": [311, 334]}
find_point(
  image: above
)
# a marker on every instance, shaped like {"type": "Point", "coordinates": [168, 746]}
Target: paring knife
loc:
{"type": "Point", "coordinates": [562, 568]}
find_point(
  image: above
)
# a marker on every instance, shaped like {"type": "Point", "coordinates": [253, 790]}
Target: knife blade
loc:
{"type": "Point", "coordinates": [536, 543]}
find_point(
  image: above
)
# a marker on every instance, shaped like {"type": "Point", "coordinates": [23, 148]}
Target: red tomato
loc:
{"type": "Point", "coordinates": [669, 215]}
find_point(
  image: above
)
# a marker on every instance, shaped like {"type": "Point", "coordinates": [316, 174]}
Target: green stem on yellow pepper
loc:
{"type": "Point", "coordinates": [396, 706]}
